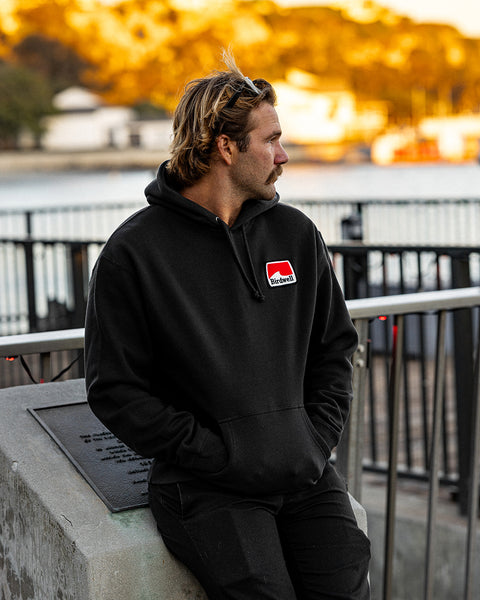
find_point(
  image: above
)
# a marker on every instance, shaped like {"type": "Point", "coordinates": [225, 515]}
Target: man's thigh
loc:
{"type": "Point", "coordinates": [326, 553]}
{"type": "Point", "coordinates": [230, 543]}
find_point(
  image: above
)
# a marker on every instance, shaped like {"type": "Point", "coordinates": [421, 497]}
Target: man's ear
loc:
{"type": "Point", "coordinates": [225, 147]}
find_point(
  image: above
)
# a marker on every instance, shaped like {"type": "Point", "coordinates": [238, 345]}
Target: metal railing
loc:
{"type": "Point", "coordinates": [350, 453]}
{"type": "Point", "coordinates": [442, 304]}
{"type": "Point", "coordinates": [440, 221]}
{"type": "Point", "coordinates": [46, 287]}
{"type": "Point", "coordinates": [43, 282]}
{"type": "Point", "coordinates": [95, 220]}
{"type": "Point", "coordinates": [47, 253]}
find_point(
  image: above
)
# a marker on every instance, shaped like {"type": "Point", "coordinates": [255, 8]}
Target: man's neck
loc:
{"type": "Point", "coordinates": [215, 195]}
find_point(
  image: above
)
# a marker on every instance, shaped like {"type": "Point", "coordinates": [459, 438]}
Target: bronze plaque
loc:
{"type": "Point", "coordinates": [116, 473]}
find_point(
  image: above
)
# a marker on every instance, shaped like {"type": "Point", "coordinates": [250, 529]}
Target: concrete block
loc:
{"type": "Point", "coordinates": [360, 514]}
{"type": "Point", "coordinates": [58, 540]}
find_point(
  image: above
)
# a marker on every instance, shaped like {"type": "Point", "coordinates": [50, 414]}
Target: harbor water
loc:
{"type": "Point", "coordinates": [309, 181]}
{"type": "Point", "coordinates": [433, 205]}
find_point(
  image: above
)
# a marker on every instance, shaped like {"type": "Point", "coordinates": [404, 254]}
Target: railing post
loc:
{"type": "Point", "coordinates": [28, 223]}
{"type": "Point", "coordinates": [350, 449]}
{"type": "Point", "coordinates": [474, 480]}
{"type": "Point", "coordinates": [30, 281]}
{"type": "Point", "coordinates": [463, 348]}
{"type": "Point", "coordinates": [394, 417]}
{"type": "Point", "coordinates": [79, 265]}
{"type": "Point", "coordinates": [434, 458]}
{"type": "Point", "coordinates": [355, 273]}
{"type": "Point", "coordinates": [45, 366]}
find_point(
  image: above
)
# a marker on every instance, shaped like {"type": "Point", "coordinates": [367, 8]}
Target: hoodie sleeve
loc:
{"type": "Point", "coordinates": [119, 370]}
{"type": "Point", "coordinates": [328, 378]}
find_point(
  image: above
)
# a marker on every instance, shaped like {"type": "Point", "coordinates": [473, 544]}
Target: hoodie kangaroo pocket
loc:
{"type": "Point", "coordinates": [271, 452]}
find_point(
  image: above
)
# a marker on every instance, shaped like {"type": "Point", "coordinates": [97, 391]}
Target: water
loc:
{"type": "Point", "coordinates": [369, 182]}
{"type": "Point", "coordinates": [435, 223]}
{"type": "Point", "coordinates": [454, 223]}
{"type": "Point", "coordinates": [299, 182]}
{"type": "Point", "coordinates": [41, 190]}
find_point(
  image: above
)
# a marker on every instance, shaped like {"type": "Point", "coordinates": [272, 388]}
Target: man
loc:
{"type": "Point", "coordinates": [218, 342]}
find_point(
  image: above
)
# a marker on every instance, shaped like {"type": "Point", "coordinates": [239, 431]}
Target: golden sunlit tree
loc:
{"type": "Point", "coordinates": [146, 50]}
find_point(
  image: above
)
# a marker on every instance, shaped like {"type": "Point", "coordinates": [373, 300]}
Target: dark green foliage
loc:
{"type": "Point", "coordinates": [25, 97]}
{"type": "Point", "coordinates": [58, 63]}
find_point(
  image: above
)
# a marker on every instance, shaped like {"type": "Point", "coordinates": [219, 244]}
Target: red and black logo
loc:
{"type": "Point", "coordinates": [280, 272]}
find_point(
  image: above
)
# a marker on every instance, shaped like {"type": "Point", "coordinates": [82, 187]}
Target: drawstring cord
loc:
{"type": "Point", "coordinates": [254, 287]}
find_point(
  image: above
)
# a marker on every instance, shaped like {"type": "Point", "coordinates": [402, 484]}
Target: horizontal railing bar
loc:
{"type": "Point", "coordinates": [389, 201]}
{"type": "Point", "coordinates": [365, 308]}
{"type": "Point", "coordinates": [75, 207]}
{"type": "Point", "coordinates": [418, 302]}
{"type": "Point", "coordinates": [309, 201]}
{"type": "Point", "coordinates": [50, 241]}
{"type": "Point", "coordinates": [45, 341]}
{"type": "Point", "coordinates": [355, 248]}
{"type": "Point", "coordinates": [346, 248]}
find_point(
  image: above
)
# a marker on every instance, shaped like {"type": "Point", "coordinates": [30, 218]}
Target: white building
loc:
{"type": "Point", "coordinates": [457, 135]}
{"type": "Point", "coordinates": [311, 113]}
{"type": "Point", "coordinates": [85, 123]}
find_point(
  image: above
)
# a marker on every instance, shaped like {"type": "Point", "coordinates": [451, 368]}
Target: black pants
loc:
{"type": "Point", "coordinates": [300, 546]}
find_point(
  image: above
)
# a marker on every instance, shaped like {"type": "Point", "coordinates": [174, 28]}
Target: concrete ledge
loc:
{"type": "Point", "coordinates": [58, 540]}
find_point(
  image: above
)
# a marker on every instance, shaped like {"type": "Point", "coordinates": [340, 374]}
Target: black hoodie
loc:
{"type": "Point", "coordinates": [224, 353]}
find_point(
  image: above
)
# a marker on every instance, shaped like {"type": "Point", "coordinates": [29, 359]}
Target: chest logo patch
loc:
{"type": "Point", "coordinates": [280, 272]}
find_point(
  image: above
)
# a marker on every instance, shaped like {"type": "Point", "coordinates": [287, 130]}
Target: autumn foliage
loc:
{"type": "Point", "coordinates": [145, 50]}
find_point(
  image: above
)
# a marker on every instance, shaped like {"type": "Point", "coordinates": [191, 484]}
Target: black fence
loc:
{"type": "Point", "coordinates": [44, 282]}
{"type": "Point", "coordinates": [370, 271]}
{"type": "Point", "coordinates": [440, 221]}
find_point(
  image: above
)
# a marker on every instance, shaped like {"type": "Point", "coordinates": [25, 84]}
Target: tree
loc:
{"type": "Point", "coordinates": [58, 63]}
{"type": "Point", "coordinates": [146, 50]}
{"type": "Point", "coordinates": [25, 97]}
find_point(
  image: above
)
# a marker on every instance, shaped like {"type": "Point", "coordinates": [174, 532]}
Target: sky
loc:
{"type": "Point", "coordinates": [462, 14]}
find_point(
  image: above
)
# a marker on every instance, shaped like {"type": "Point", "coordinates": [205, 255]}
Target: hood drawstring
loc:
{"type": "Point", "coordinates": [254, 287]}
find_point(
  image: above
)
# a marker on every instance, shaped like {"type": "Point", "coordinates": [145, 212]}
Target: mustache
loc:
{"type": "Point", "coordinates": [274, 175]}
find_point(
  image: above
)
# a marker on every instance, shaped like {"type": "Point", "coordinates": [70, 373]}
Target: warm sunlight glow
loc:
{"type": "Point", "coordinates": [354, 71]}
{"type": "Point", "coordinates": [8, 22]}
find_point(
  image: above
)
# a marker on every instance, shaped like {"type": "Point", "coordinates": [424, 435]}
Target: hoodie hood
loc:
{"type": "Point", "coordinates": [159, 191]}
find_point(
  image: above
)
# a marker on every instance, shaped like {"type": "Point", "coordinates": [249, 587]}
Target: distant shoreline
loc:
{"type": "Point", "coordinates": [24, 161]}
{"type": "Point", "coordinates": [41, 161]}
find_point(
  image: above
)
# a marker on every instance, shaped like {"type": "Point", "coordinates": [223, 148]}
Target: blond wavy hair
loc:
{"type": "Point", "coordinates": [205, 111]}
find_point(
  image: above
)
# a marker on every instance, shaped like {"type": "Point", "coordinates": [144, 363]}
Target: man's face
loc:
{"type": "Point", "coordinates": [255, 171]}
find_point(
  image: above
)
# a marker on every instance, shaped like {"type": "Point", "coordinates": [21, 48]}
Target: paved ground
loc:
{"type": "Point", "coordinates": [412, 499]}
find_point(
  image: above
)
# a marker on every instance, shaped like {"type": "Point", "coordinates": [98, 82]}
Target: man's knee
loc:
{"type": "Point", "coordinates": [343, 572]}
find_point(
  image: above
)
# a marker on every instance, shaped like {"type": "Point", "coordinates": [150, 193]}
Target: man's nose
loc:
{"type": "Point", "coordinates": [281, 157]}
